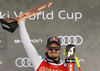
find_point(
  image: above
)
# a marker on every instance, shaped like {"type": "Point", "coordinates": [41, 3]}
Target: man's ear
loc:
{"type": "Point", "coordinates": [60, 49]}
{"type": "Point", "coordinates": [46, 49]}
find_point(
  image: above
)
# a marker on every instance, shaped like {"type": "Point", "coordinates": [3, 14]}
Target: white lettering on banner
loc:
{"type": "Point", "coordinates": [0, 41]}
{"type": "Point", "coordinates": [47, 69]}
{"type": "Point", "coordinates": [36, 40]}
{"type": "Point", "coordinates": [49, 16]}
{"type": "Point", "coordinates": [16, 13]}
{"type": "Point", "coordinates": [81, 60]}
{"type": "Point", "coordinates": [32, 40]}
{"type": "Point", "coordinates": [0, 62]}
{"type": "Point", "coordinates": [77, 15]}
{"type": "Point", "coordinates": [2, 16]}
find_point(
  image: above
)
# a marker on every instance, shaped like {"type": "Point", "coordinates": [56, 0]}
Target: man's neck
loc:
{"type": "Point", "coordinates": [56, 59]}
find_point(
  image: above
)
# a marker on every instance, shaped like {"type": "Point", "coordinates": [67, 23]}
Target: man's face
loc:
{"type": "Point", "coordinates": [54, 54]}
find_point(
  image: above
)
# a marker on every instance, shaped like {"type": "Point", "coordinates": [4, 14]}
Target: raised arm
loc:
{"type": "Point", "coordinates": [30, 49]}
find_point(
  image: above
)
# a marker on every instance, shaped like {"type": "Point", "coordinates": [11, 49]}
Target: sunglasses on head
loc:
{"type": "Point", "coordinates": [56, 48]}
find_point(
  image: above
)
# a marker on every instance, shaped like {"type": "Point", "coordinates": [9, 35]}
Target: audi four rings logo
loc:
{"type": "Point", "coordinates": [76, 40]}
{"type": "Point", "coordinates": [23, 62]}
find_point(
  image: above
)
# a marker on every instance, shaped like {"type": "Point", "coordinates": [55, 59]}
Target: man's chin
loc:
{"type": "Point", "coordinates": [53, 58]}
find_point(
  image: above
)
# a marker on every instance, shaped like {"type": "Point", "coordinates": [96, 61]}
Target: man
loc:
{"type": "Point", "coordinates": [53, 48]}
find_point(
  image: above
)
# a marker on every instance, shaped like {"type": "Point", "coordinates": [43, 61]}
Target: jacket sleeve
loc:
{"type": "Point", "coordinates": [30, 49]}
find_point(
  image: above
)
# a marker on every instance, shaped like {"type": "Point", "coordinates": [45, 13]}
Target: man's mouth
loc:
{"type": "Point", "coordinates": [53, 54]}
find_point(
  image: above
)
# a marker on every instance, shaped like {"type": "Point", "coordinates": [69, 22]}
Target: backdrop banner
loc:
{"type": "Point", "coordinates": [73, 22]}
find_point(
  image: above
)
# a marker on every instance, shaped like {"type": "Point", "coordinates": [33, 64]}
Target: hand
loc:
{"type": "Point", "coordinates": [19, 17]}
